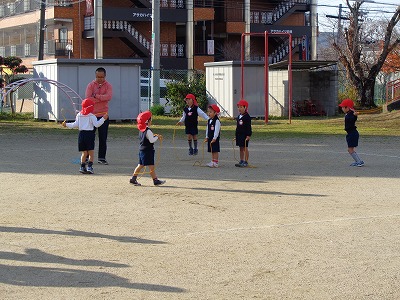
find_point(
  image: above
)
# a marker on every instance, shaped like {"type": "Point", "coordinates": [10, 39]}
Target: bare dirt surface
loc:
{"type": "Point", "coordinates": [301, 224]}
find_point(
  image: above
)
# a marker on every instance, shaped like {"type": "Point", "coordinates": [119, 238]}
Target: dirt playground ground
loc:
{"type": "Point", "coordinates": [301, 224]}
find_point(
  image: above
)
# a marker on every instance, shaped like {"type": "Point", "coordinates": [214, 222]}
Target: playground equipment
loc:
{"type": "Point", "coordinates": [74, 98]}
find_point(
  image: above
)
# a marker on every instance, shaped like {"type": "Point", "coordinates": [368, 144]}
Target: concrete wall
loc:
{"type": "Point", "coordinates": [278, 93]}
{"type": "Point", "coordinates": [53, 103]}
{"type": "Point", "coordinates": [324, 85]}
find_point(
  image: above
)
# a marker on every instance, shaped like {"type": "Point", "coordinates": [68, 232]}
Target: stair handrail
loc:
{"type": "Point", "coordinates": [393, 90]}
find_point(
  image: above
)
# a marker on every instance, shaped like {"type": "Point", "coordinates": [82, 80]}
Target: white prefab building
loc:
{"type": "Point", "coordinates": [53, 103]}
{"type": "Point", "coordinates": [312, 82]}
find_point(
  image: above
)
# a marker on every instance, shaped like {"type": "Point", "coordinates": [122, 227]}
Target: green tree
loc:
{"type": "Point", "coordinates": [364, 50]}
{"type": "Point", "coordinates": [10, 67]}
{"type": "Point", "coordinates": [177, 90]}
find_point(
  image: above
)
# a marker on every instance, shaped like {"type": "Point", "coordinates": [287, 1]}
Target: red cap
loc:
{"type": "Point", "coordinates": [244, 103]}
{"type": "Point", "coordinates": [193, 97]}
{"type": "Point", "coordinates": [347, 103]}
{"type": "Point", "coordinates": [142, 120]}
{"type": "Point", "coordinates": [87, 106]}
{"type": "Point", "coordinates": [215, 108]}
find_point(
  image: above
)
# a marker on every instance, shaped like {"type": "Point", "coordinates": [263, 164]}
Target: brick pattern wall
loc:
{"type": "Point", "coordinates": [199, 62]}
{"type": "Point", "coordinates": [235, 27]}
{"type": "Point", "coordinates": [203, 14]}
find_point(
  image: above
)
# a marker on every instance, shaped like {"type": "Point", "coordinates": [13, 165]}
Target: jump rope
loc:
{"type": "Point", "coordinates": [200, 163]}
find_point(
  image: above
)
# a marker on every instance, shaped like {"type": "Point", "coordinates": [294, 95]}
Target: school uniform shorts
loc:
{"type": "Point", "coordinates": [192, 130]}
{"type": "Point", "coordinates": [213, 147]}
{"type": "Point", "coordinates": [146, 158]}
{"type": "Point", "coordinates": [241, 141]}
{"type": "Point", "coordinates": [86, 140]}
{"type": "Point", "coordinates": [352, 139]}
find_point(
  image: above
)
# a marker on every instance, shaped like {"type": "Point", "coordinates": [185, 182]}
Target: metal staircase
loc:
{"type": "Point", "coordinates": [124, 30]}
{"type": "Point", "coordinates": [279, 13]}
{"type": "Point", "coordinates": [131, 36]}
{"type": "Point", "coordinates": [283, 50]}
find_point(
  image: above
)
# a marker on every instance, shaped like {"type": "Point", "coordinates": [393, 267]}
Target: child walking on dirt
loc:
{"type": "Point", "coordinates": [146, 148]}
{"type": "Point", "coordinates": [86, 121]}
{"type": "Point", "coordinates": [212, 135]}
{"type": "Point", "coordinates": [190, 116]}
{"type": "Point", "coordinates": [352, 136]}
{"type": "Point", "coordinates": [243, 132]}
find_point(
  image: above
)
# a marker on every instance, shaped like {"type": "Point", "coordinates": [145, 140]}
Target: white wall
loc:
{"type": "Point", "coordinates": [51, 103]}
{"type": "Point", "coordinates": [223, 82]}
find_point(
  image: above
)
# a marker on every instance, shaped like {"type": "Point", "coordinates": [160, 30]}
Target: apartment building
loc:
{"type": "Point", "coordinates": [192, 32]}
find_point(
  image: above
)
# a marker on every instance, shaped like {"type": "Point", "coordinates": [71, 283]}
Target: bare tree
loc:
{"type": "Point", "coordinates": [231, 50]}
{"type": "Point", "coordinates": [364, 49]}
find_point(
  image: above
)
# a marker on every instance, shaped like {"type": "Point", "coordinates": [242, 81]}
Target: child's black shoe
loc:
{"type": "Point", "coordinates": [134, 182]}
{"type": "Point", "coordinates": [158, 182]}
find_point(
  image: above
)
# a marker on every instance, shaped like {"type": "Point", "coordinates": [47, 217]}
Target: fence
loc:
{"type": "Point", "coordinates": [380, 85]}
{"type": "Point", "coordinates": [21, 98]}
{"type": "Point", "coordinates": [174, 75]}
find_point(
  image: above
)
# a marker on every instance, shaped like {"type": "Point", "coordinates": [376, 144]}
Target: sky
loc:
{"type": "Point", "coordinates": [377, 10]}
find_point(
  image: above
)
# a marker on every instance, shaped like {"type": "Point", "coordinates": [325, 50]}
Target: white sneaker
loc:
{"type": "Point", "coordinates": [215, 165]}
{"type": "Point", "coordinates": [210, 164]}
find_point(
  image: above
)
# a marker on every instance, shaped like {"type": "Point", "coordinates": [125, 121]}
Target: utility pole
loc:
{"type": "Point", "coordinates": [190, 37]}
{"type": "Point", "coordinates": [155, 52]}
{"type": "Point", "coordinates": [247, 29]}
{"type": "Point", "coordinates": [314, 29]}
{"type": "Point", "coordinates": [98, 29]}
{"type": "Point", "coordinates": [340, 18]}
{"type": "Point", "coordinates": [42, 28]}
{"type": "Point", "coordinates": [339, 31]}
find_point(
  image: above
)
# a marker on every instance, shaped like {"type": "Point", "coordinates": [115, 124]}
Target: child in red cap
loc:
{"type": "Point", "coordinates": [212, 134]}
{"type": "Point", "coordinates": [243, 132]}
{"type": "Point", "coordinates": [352, 136]}
{"type": "Point", "coordinates": [85, 120]}
{"type": "Point", "coordinates": [146, 148]}
{"type": "Point", "coordinates": [190, 116]}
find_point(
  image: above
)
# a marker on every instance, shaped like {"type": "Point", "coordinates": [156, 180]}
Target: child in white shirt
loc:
{"type": "Point", "coordinates": [85, 120]}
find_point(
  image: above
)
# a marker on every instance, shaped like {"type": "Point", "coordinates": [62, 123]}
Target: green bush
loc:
{"type": "Point", "coordinates": [157, 110]}
{"type": "Point", "coordinates": [348, 92]}
{"type": "Point", "coordinates": [177, 90]}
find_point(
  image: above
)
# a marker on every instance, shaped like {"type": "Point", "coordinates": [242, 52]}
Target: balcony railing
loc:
{"type": "Point", "coordinates": [21, 50]}
{"type": "Point", "coordinates": [58, 47]}
{"type": "Point", "coordinates": [171, 49]}
{"type": "Point", "coordinates": [201, 48]}
{"type": "Point", "coordinates": [172, 3]}
{"type": "Point", "coordinates": [203, 3]}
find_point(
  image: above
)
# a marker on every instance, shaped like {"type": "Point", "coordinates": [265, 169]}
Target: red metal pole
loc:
{"type": "Point", "coordinates": [266, 79]}
{"type": "Point", "coordinates": [266, 72]}
{"type": "Point", "coordinates": [290, 79]}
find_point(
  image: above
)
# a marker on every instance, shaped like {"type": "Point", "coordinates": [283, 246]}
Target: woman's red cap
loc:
{"type": "Point", "coordinates": [87, 106]}
{"type": "Point", "coordinates": [142, 120]}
